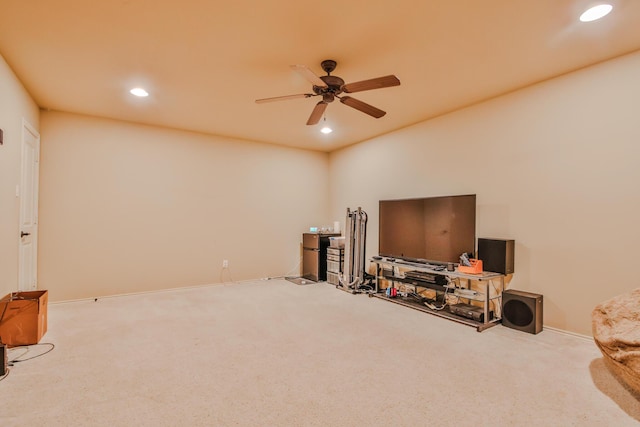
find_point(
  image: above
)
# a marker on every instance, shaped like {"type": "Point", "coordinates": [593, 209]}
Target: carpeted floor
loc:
{"type": "Point", "coordinates": [272, 353]}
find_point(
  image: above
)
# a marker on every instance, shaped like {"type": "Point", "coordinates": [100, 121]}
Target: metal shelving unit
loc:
{"type": "Point", "coordinates": [458, 287]}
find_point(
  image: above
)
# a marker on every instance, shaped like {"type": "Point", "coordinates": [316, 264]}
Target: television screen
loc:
{"type": "Point", "coordinates": [433, 229]}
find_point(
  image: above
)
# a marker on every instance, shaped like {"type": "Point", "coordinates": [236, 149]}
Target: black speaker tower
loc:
{"type": "Point", "coordinates": [3, 359]}
{"type": "Point", "coordinates": [497, 255]}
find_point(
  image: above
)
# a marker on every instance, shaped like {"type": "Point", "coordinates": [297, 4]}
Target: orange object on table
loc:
{"type": "Point", "coordinates": [475, 268]}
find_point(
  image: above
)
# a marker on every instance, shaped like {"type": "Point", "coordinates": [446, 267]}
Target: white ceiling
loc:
{"type": "Point", "coordinates": [205, 61]}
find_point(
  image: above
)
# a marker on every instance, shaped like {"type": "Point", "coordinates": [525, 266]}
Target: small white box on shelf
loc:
{"type": "Point", "coordinates": [336, 242]}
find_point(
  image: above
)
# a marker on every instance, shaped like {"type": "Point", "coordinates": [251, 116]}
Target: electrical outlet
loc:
{"type": "Point", "coordinates": [225, 263]}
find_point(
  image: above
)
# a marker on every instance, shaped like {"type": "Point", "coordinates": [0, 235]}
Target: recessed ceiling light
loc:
{"type": "Point", "coordinates": [138, 91]}
{"type": "Point", "coordinates": [596, 12]}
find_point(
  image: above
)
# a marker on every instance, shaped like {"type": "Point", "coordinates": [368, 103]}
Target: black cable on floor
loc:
{"type": "Point", "coordinates": [18, 360]}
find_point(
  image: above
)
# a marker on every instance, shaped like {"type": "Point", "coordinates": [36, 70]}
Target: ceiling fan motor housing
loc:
{"type": "Point", "coordinates": [334, 87]}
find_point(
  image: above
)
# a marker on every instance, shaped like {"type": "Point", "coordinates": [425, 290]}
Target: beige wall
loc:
{"type": "Point", "coordinates": [15, 105]}
{"type": "Point", "coordinates": [128, 208]}
{"type": "Point", "coordinates": [554, 166]}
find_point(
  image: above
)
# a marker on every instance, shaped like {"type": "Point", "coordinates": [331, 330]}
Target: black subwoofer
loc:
{"type": "Point", "coordinates": [497, 255]}
{"type": "Point", "coordinates": [522, 311]}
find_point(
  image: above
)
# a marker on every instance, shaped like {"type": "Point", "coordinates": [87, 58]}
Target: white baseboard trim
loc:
{"type": "Point", "coordinates": [573, 334]}
{"type": "Point", "coordinates": [153, 291]}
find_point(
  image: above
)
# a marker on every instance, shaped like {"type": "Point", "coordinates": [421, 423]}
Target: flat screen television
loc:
{"type": "Point", "coordinates": [431, 229]}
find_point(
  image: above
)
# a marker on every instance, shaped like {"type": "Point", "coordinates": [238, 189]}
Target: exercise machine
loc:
{"type": "Point", "coordinates": [353, 278]}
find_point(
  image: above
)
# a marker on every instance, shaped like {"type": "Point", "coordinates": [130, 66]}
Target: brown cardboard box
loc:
{"type": "Point", "coordinates": [23, 317]}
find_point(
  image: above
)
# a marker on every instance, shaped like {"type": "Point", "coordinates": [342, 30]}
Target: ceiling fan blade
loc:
{"type": "Point", "coordinates": [282, 98]}
{"type": "Point", "coordinates": [317, 113]}
{"type": "Point", "coordinates": [309, 75]}
{"type": "Point", "coordinates": [377, 83]}
{"type": "Point", "coordinates": [362, 106]}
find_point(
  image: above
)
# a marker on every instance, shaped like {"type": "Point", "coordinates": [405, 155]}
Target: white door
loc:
{"type": "Point", "coordinates": [28, 192]}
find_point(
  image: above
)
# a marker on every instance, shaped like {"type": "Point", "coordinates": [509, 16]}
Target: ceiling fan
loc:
{"type": "Point", "coordinates": [331, 87]}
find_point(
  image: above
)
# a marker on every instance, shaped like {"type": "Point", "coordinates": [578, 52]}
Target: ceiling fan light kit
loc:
{"type": "Point", "coordinates": [331, 87]}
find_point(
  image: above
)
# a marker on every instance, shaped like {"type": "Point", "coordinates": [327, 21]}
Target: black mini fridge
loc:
{"type": "Point", "coordinates": [314, 255]}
